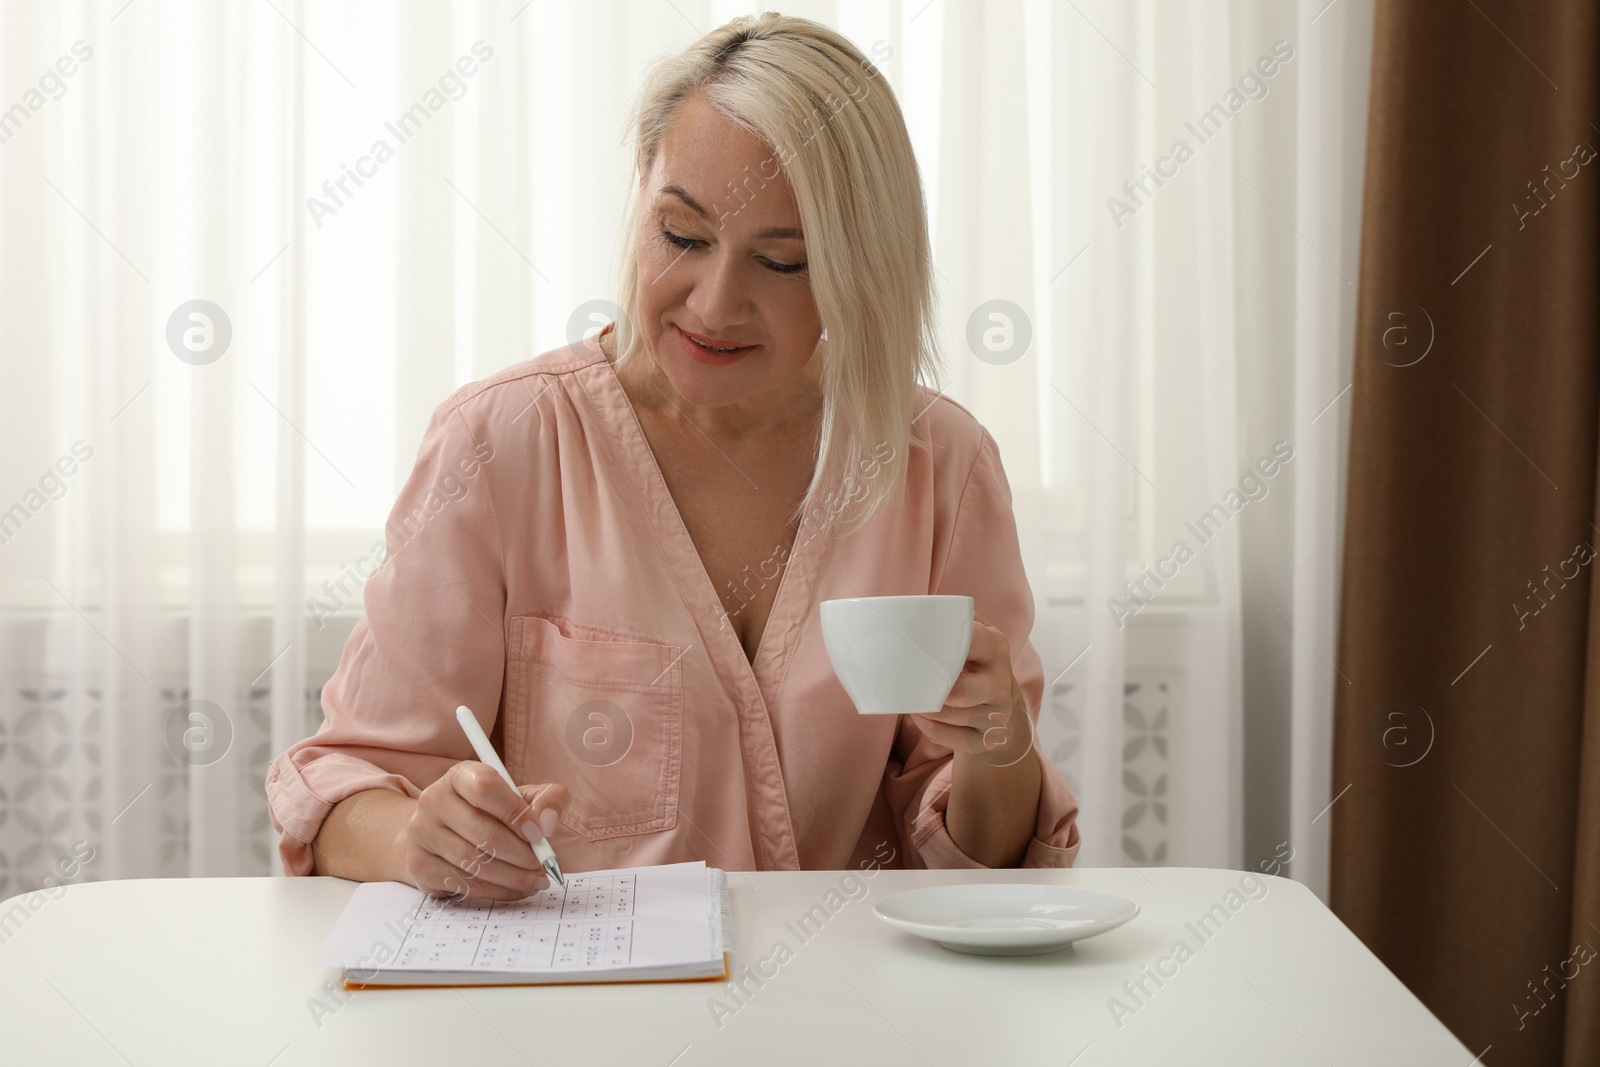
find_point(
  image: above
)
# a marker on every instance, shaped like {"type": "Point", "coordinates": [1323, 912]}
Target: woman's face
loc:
{"type": "Point", "coordinates": [721, 258]}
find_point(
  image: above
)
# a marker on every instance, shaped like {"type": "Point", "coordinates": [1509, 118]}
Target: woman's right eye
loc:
{"type": "Point", "coordinates": [677, 241]}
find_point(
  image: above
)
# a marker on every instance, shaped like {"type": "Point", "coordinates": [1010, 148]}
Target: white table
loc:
{"type": "Point", "coordinates": [160, 971]}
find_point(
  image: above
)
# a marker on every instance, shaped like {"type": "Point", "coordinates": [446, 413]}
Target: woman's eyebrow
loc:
{"type": "Point", "coordinates": [771, 233]}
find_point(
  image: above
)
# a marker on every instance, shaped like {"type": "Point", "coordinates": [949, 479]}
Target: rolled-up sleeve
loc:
{"type": "Point", "coordinates": [985, 563]}
{"type": "Point", "coordinates": [431, 638]}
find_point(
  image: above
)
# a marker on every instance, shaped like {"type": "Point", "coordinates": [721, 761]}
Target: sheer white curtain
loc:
{"type": "Point", "coordinates": [1183, 231]}
{"type": "Point", "coordinates": [377, 203]}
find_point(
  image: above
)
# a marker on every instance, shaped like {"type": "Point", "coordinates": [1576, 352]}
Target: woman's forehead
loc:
{"type": "Point", "coordinates": [703, 144]}
{"type": "Point", "coordinates": [698, 128]}
{"type": "Point", "coordinates": [727, 176]}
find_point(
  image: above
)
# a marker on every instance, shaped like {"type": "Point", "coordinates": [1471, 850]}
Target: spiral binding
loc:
{"type": "Point", "coordinates": [721, 910]}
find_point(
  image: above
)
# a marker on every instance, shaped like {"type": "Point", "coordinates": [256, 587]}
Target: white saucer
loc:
{"type": "Point", "coordinates": [1006, 919]}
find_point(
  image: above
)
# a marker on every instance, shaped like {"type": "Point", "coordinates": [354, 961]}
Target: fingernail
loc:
{"type": "Point", "coordinates": [531, 832]}
{"type": "Point", "coordinates": [548, 819]}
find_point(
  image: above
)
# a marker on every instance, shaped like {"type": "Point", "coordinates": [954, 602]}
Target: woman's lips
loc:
{"type": "Point", "coordinates": [698, 352]}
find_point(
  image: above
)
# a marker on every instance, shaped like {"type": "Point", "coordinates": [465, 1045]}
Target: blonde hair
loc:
{"type": "Point", "coordinates": [838, 137]}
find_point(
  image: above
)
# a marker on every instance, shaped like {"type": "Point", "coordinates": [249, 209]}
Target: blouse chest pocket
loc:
{"type": "Point", "coordinates": [602, 716]}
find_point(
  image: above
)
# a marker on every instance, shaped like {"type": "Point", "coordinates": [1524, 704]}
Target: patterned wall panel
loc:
{"type": "Point", "coordinates": [1147, 710]}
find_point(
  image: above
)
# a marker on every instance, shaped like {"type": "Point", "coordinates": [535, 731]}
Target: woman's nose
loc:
{"type": "Point", "coordinates": [718, 298]}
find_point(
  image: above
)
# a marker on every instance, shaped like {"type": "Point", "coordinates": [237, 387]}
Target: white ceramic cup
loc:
{"type": "Point", "coordinates": [898, 655]}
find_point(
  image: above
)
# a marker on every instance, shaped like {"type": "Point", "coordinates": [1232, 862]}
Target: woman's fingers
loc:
{"type": "Point", "coordinates": [546, 803]}
{"type": "Point", "coordinates": [435, 874]}
{"type": "Point", "coordinates": [977, 718]}
{"type": "Point", "coordinates": [466, 837]}
{"type": "Point", "coordinates": [484, 789]}
{"type": "Point", "coordinates": [986, 676]}
{"type": "Point", "coordinates": [439, 860]}
{"type": "Point", "coordinates": [950, 735]}
{"type": "Point", "coordinates": [460, 819]}
{"type": "Point", "coordinates": [473, 860]}
{"type": "Point", "coordinates": [977, 731]}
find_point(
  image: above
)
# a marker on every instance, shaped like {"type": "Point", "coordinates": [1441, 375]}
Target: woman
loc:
{"type": "Point", "coordinates": [614, 553]}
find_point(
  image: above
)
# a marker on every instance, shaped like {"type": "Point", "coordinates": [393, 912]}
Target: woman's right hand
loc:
{"type": "Point", "coordinates": [471, 833]}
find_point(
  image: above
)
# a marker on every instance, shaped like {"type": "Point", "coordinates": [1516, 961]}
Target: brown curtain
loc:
{"type": "Point", "coordinates": [1466, 851]}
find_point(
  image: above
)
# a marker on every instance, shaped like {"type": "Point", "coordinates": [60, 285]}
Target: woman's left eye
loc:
{"type": "Point", "coordinates": [786, 268]}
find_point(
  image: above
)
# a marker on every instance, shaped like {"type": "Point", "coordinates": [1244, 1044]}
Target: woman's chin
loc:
{"type": "Point", "coordinates": [701, 387]}
{"type": "Point", "coordinates": [705, 384]}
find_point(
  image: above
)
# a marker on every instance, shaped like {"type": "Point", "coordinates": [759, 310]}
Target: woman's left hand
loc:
{"type": "Point", "coordinates": [984, 719]}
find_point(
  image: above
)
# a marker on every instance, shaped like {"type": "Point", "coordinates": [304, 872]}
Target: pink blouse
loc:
{"type": "Point", "coordinates": [539, 573]}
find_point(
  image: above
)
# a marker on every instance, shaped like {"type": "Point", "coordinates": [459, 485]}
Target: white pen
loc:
{"type": "Point", "coordinates": [486, 754]}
